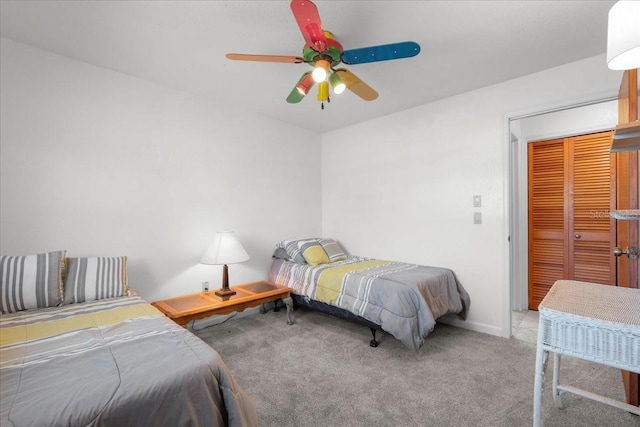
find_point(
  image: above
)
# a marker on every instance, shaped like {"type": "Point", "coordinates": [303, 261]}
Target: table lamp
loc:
{"type": "Point", "coordinates": [225, 249]}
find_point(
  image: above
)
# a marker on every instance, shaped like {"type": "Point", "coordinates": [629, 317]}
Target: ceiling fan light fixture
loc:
{"type": "Point", "coordinates": [323, 53]}
{"type": "Point", "coordinates": [305, 84]}
{"type": "Point", "coordinates": [336, 83]}
{"type": "Point", "coordinates": [320, 71]}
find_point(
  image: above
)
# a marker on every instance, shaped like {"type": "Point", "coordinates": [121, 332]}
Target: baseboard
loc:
{"type": "Point", "coordinates": [473, 326]}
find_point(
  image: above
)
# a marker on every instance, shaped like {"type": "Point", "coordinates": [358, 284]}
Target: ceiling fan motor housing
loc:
{"type": "Point", "coordinates": [332, 52]}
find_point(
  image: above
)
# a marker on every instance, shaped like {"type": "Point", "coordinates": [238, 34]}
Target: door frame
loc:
{"type": "Point", "coordinates": [516, 208]}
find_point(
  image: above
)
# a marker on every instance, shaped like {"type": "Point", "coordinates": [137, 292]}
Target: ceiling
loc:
{"type": "Point", "coordinates": [181, 44]}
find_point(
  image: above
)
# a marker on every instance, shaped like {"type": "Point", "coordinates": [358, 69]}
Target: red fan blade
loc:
{"type": "Point", "coordinates": [308, 19]}
{"type": "Point", "coordinates": [264, 58]}
{"type": "Point", "coordinates": [357, 86]}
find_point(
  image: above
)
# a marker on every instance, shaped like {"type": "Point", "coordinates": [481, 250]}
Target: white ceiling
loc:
{"type": "Point", "coordinates": [181, 44]}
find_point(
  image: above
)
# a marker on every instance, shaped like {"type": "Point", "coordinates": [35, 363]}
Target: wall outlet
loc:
{"type": "Point", "coordinates": [205, 286]}
{"type": "Point", "coordinates": [477, 217]}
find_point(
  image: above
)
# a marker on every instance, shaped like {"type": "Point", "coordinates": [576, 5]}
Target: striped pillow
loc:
{"type": "Point", "coordinates": [292, 250]}
{"type": "Point", "coordinates": [30, 281]}
{"type": "Point", "coordinates": [90, 279]}
{"type": "Point", "coordinates": [333, 249]}
{"type": "Point", "coordinates": [313, 252]}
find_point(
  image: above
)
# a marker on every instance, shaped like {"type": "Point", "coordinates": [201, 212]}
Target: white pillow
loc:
{"type": "Point", "coordinates": [31, 281]}
{"type": "Point", "coordinates": [95, 278]}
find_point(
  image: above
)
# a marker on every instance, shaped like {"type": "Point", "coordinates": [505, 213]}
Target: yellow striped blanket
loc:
{"type": "Point", "coordinates": [115, 361]}
{"type": "Point", "coordinates": [404, 299]}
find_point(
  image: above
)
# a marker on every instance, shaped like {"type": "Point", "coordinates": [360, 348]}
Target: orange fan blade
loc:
{"type": "Point", "coordinates": [308, 19]}
{"type": "Point", "coordinates": [357, 86]}
{"type": "Point", "coordinates": [265, 58]}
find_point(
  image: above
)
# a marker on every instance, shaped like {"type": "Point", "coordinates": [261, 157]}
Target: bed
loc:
{"type": "Point", "coordinates": [98, 354]}
{"type": "Point", "coordinates": [402, 299]}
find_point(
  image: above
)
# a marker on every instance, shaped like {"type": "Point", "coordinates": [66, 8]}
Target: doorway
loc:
{"type": "Point", "coordinates": [586, 118]}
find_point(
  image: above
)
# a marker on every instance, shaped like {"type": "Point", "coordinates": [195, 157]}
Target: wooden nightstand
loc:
{"type": "Point", "coordinates": [185, 308]}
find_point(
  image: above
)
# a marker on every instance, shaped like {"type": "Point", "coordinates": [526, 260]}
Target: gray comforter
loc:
{"type": "Point", "coordinates": [404, 299]}
{"type": "Point", "coordinates": [116, 362]}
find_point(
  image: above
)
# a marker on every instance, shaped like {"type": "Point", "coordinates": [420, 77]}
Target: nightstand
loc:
{"type": "Point", "coordinates": [185, 308]}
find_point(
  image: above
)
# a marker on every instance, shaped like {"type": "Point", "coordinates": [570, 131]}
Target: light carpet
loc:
{"type": "Point", "coordinates": [322, 372]}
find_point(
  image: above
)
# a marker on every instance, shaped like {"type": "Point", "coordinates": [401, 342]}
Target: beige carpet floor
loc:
{"type": "Point", "coordinates": [322, 372]}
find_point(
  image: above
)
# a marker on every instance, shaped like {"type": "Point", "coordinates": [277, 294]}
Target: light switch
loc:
{"type": "Point", "coordinates": [477, 217]}
{"type": "Point", "coordinates": [477, 201]}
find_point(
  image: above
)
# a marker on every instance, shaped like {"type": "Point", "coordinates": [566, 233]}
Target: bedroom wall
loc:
{"type": "Point", "coordinates": [401, 187]}
{"type": "Point", "coordinates": [104, 164]}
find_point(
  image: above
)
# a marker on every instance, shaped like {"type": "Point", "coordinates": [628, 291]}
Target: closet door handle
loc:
{"type": "Point", "coordinates": [577, 236]}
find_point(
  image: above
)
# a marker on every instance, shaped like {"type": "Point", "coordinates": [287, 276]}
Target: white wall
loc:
{"type": "Point", "coordinates": [401, 187]}
{"type": "Point", "coordinates": [104, 164]}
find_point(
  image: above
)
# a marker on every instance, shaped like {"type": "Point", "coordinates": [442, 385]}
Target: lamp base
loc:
{"type": "Point", "coordinates": [225, 292]}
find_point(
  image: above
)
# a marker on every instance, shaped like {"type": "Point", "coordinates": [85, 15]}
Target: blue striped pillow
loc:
{"type": "Point", "coordinates": [95, 278]}
{"type": "Point", "coordinates": [31, 281]}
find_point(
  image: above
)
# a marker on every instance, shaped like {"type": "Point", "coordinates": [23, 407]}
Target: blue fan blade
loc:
{"type": "Point", "coordinates": [383, 52]}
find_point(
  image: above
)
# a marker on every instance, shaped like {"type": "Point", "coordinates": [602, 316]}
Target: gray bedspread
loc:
{"type": "Point", "coordinates": [404, 299]}
{"type": "Point", "coordinates": [116, 362]}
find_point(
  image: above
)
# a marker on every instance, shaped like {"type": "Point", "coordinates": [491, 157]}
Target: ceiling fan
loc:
{"type": "Point", "coordinates": [324, 54]}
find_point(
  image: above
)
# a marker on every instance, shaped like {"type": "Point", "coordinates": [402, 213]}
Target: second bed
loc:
{"type": "Point", "coordinates": [402, 299]}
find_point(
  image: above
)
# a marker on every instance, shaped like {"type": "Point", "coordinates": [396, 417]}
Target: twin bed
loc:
{"type": "Point", "coordinates": [402, 299]}
{"type": "Point", "coordinates": [107, 358]}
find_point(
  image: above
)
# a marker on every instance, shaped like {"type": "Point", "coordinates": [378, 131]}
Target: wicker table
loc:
{"type": "Point", "coordinates": [593, 322]}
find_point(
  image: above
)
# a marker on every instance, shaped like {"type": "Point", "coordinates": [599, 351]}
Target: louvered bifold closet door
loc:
{"type": "Point", "coordinates": [547, 220]}
{"type": "Point", "coordinates": [571, 192]}
{"type": "Point", "coordinates": [592, 181]}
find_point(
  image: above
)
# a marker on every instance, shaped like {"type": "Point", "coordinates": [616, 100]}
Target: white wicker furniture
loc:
{"type": "Point", "coordinates": [589, 321]}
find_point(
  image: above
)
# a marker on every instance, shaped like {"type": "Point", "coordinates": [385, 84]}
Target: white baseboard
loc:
{"type": "Point", "coordinates": [474, 326]}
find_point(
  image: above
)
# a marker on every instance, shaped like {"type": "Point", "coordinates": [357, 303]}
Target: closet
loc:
{"type": "Point", "coordinates": [571, 192]}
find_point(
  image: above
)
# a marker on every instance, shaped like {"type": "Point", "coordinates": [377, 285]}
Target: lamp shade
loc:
{"type": "Point", "coordinates": [225, 249]}
{"type": "Point", "coordinates": [623, 36]}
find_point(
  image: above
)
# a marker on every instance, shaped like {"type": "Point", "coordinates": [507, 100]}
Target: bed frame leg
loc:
{"type": "Point", "coordinates": [373, 342]}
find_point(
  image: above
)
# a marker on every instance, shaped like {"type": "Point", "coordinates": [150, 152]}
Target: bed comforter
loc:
{"type": "Point", "coordinates": [113, 362]}
{"type": "Point", "coordinates": [404, 299]}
